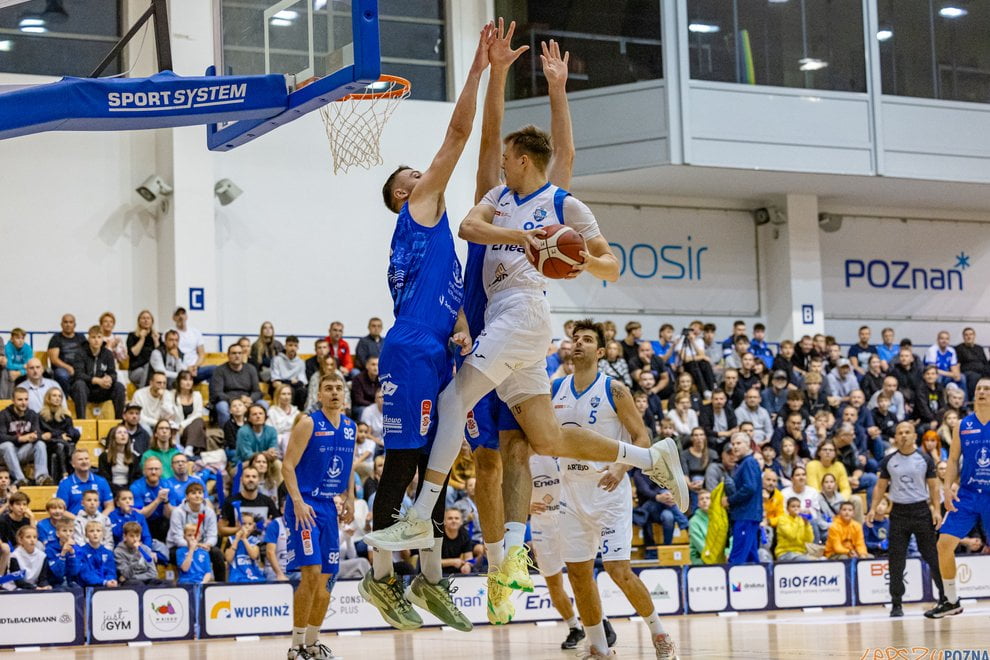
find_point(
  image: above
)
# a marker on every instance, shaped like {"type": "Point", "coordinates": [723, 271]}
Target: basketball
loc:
{"type": "Point", "coordinates": [560, 250]}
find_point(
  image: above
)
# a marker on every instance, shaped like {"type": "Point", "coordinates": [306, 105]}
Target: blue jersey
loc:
{"type": "Point", "coordinates": [198, 569]}
{"type": "Point", "coordinates": [243, 568]}
{"type": "Point", "coordinates": [974, 441]}
{"type": "Point", "coordinates": [118, 519]}
{"type": "Point", "coordinates": [71, 489]}
{"type": "Point", "coordinates": [177, 489]}
{"type": "Point", "coordinates": [46, 532]}
{"type": "Point", "coordinates": [424, 275]}
{"type": "Point", "coordinates": [325, 465]}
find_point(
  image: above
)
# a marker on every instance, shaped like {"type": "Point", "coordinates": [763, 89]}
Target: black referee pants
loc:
{"type": "Point", "coordinates": [905, 520]}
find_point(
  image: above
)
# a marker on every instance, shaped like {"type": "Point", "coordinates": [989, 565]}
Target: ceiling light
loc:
{"type": "Point", "coordinates": [280, 22]}
{"type": "Point", "coordinates": [952, 12]}
{"type": "Point", "coordinates": [6, 45]}
{"type": "Point", "coordinates": [31, 22]}
{"type": "Point", "coordinates": [319, 4]}
{"type": "Point", "coordinates": [883, 34]}
{"type": "Point", "coordinates": [703, 28]}
{"type": "Point", "coordinates": [287, 14]}
{"type": "Point", "coordinates": [34, 29]}
{"type": "Point", "coordinates": [812, 64]}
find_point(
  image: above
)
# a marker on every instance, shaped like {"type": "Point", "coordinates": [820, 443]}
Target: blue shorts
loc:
{"type": "Point", "coordinates": [971, 507]}
{"type": "Point", "coordinates": [414, 367]}
{"type": "Point", "coordinates": [490, 416]}
{"type": "Point", "coordinates": [317, 546]}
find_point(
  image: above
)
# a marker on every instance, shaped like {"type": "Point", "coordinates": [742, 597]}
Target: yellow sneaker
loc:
{"type": "Point", "coordinates": [500, 607]}
{"type": "Point", "coordinates": [514, 572]}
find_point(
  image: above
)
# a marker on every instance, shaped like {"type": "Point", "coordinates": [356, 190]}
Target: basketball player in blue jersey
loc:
{"type": "Point", "coordinates": [416, 362]}
{"type": "Point", "coordinates": [316, 467]}
{"type": "Point", "coordinates": [967, 493]}
{"type": "Point", "coordinates": [509, 355]}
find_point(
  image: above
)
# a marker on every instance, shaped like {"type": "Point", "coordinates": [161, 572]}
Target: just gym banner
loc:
{"type": "Point", "coordinates": [671, 260]}
{"type": "Point", "coordinates": [895, 268]}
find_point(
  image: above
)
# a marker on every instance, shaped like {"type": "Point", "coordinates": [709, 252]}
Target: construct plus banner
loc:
{"type": "Point", "coordinates": [671, 260]}
{"type": "Point", "coordinates": [34, 618]}
{"type": "Point", "coordinates": [895, 268]}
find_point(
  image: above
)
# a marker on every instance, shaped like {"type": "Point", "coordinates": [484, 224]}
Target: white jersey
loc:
{"type": "Point", "coordinates": [506, 266]}
{"type": "Point", "coordinates": [546, 481]}
{"type": "Point", "coordinates": [593, 409]}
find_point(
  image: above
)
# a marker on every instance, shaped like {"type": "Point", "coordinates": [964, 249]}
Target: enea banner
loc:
{"type": "Point", "coordinates": [39, 618]}
{"type": "Point", "coordinates": [671, 260]}
{"type": "Point", "coordinates": [894, 268]}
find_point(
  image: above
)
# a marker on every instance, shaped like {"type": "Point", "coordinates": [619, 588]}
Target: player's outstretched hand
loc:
{"type": "Point", "coordinates": [305, 516]}
{"type": "Point", "coordinates": [554, 66]}
{"type": "Point", "coordinates": [463, 340]}
{"type": "Point", "coordinates": [577, 269]}
{"type": "Point", "coordinates": [536, 508]}
{"type": "Point", "coordinates": [612, 476]}
{"type": "Point", "coordinates": [501, 54]}
{"type": "Point", "coordinates": [485, 40]}
{"type": "Point", "coordinates": [936, 517]}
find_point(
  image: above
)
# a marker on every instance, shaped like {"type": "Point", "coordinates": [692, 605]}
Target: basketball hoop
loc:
{"type": "Point", "coordinates": [354, 123]}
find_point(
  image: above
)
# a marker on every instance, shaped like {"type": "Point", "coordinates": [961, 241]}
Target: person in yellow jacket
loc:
{"type": "Point", "coordinates": [794, 532]}
{"type": "Point", "coordinates": [773, 500]}
{"type": "Point", "coordinates": [826, 463]}
{"type": "Point", "coordinates": [717, 537]}
{"type": "Point", "coordinates": [845, 536]}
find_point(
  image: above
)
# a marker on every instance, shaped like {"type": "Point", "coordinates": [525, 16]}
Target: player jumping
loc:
{"type": "Point", "coordinates": [967, 493]}
{"type": "Point", "coordinates": [416, 362]}
{"type": "Point", "coordinates": [317, 466]}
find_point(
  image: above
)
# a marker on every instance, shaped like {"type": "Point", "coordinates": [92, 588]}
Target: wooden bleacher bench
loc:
{"type": "Point", "coordinates": [39, 495]}
{"type": "Point", "coordinates": [87, 429]}
{"type": "Point", "coordinates": [214, 359]}
{"type": "Point", "coordinates": [43, 356]}
{"type": "Point", "coordinates": [103, 427]}
{"type": "Point", "coordinates": [4, 403]}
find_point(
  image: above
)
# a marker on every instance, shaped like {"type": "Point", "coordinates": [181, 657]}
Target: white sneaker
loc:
{"type": "Point", "coordinates": [592, 653]}
{"type": "Point", "coordinates": [667, 473]}
{"type": "Point", "coordinates": [664, 647]}
{"type": "Point", "coordinates": [408, 532]}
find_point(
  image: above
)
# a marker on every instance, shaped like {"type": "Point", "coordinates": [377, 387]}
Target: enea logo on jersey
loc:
{"type": "Point", "coordinates": [895, 274]}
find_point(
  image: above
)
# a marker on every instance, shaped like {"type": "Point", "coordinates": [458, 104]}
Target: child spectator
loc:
{"type": "Point", "coordinates": [56, 512]}
{"type": "Point", "coordinates": [6, 490]}
{"type": "Point", "coordinates": [61, 554]}
{"type": "Point", "coordinates": [698, 527]}
{"type": "Point", "coordinates": [192, 560]}
{"type": "Point", "coordinates": [91, 513]}
{"type": "Point", "coordinates": [845, 536]}
{"type": "Point", "coordinates": [238, 417]}
{"type": "Point", "coordinates": [884, 418]}
{"type": "Point", "coordinates": [876, 535]}
{"type": "Point", "coordinates": [97, 567]}
{"type": "Point", "coordinates": [18, 352]}
{"type": "Point", "coordinates": [276, 545]}
{"type": "Point", "coordinates": [18, 515]}
{"type": "Point", "coordinates": [242, 555]}
{"type": "Point", "coordinates": [123, 513]}
{"type": "Point", "coordinates": [135, 560]}
{"type": "Point", "coordinates": [794, 532]}
{"type": "Point", "coordinates": [193, 511]}
{"type": "Point", "coordinates": [364, 452]}
{"type": "Point", "coordinates": [29, 558]}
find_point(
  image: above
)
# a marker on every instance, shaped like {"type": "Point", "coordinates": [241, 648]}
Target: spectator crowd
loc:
{"type": "Point", "coordinates": [781, 444]}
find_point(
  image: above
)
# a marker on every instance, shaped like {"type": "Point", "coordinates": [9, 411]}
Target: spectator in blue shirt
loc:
{"type": "Point", "coordinates": [556, 359]}
{"type": "Point", "coordinates": [946, 361]}
{"type": "Point", "coordinates": [123, 513]}
{"type": "Point", "coordinates": [663, 347]}
{"type": "Point", "coordinates": [56, 512]}
{"type": "Point", "coordinates": [256, 436]}
{"type": "Point", "coordinates": [774, 398]}
{"type": "Point", "coordinates": [97, 567]}
{"type": "Point", "coordinates": [859, 354]}
{"type": "Point", "coordinates": [17, 352]}
{"type": "Point", "coordinates": [193, 561]}
{"type": "Point", "coordinates": [745, 502]}
{"type": "Point", "coordinates": [888, 350]}
{"type": "Point", "coordinates": [242, 554]}
{"type": "Point", "coordinates": [729, 344]}
{"type": "Point", "coordinates": [61, 554]}
{"type": "Point", "coordinates": [180, 480]}
{"type": "Point", "coordinates": [151, 498]}
{"type": "Point", "coordinates": [758, 345]}
{"type": "Point", "coordinates": [71, 489]}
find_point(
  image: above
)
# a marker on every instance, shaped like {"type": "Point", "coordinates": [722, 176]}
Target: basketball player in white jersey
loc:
{"type": "Point", "coordinates": [596, 497]}
{"type": "Point", "coordinates": [509, 355]}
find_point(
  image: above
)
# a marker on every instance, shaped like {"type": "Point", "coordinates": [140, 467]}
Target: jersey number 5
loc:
{"type": "Point", "coordinates": [593, 417]}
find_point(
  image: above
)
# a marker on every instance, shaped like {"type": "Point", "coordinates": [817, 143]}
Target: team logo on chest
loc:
{"type": "Point", "coordinates": [595, 400]}
{"type": "Point", "coordinates": [982, 460]}
{"type": "Point", "coordinates": [539, 215]}
{"type": "Point", "coordinates": [336, 467]}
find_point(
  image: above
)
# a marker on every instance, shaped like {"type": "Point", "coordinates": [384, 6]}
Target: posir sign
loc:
{"type": "Point", "coordinates": [247, 609]}
{"type": "Point", "coordinates": [922, 268]}
{"type": "Point", "coordinates": [668, 257]}
{"type": "Point", "coordinates": [810, 584]}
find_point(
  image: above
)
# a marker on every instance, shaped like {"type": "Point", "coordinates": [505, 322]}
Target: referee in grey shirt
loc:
{"type": "Point", "coordinates": [914, 492]}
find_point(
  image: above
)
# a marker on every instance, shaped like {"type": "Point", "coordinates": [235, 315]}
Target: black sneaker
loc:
{"type": "Point", "coordinates": [574, 635]}
{"type": "Point", "coordinates": [896, 610]}
{"type": "Point", "coordinates": [610, 635]}
{"type": "Point", "coordinates": [943, 609]}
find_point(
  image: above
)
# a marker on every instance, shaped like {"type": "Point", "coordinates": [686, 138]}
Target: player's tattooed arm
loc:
{"type": "Point", "coordinates": [625, 408]}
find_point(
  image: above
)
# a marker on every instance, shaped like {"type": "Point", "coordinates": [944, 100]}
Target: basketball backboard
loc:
{"type": "Point", "coordinates": [326, 49]}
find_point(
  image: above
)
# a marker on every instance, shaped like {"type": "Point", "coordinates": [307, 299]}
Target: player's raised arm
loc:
{"type": "Point", "coordinates": [298, 440]}
{"type": "Point", "coordinates": [501, 55]}
{"type": "Point", "coordinates": [555, 70]}
{"type": "Point", "coordinates": [426, 201]}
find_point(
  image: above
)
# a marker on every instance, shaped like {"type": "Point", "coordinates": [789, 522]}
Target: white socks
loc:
{"type": "Point", "coordinates": [515, 534]}
{"type": "Point", "coordinates": [635, 456]}
{"type": "Point", "coordinates": [430, 562]}
{"type": "Point", "coordinates": [381, 562]}
{"type": "Point", "coordinates": [298, 636]}
{"type": "Point", "coordinates": [427, 500]}
{"type": "Point", "coordinates": [495, 552]}
{"type": "Point", "coordinates": [596, 636]}
{"type": "Point", "coordinates": [653, 621]}
{"type": "Point", "coordinates": [950, 590]}
{"type": "Point", "coordinates": [312, 635]}
{"type": "Point", "coordinates": [573, 622]}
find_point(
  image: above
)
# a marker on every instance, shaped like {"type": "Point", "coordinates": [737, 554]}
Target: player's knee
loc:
{"type": "Point", "coordinates": [619, 571]}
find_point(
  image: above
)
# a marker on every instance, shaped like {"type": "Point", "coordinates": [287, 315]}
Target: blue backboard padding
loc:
{"type": "Point", "coordinates": [163, 100]}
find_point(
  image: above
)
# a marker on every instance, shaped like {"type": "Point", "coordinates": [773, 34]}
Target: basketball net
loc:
{"type": "Point", "coordinates": [354, 124]}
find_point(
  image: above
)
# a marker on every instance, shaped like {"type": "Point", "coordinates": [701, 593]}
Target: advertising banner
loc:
{"type": "Point", "coordinates": [810, 584]}
{"type": "Point", "coordinates": [873, 581]}
{"type": "Point", "coordinates": [893, 268]}
{"type": "Point", "coordinates": [749, 587]}
{"type": "Point", "coordinates": [706, 589]}
{"type": "Point", "coordinates": [665, 588]}
{"type": "Point", "coordinates": [114, 615]}
{"type": "Point", "coordinates": [168, 612]}
{"type": "Point", "coordinates": [688, 261]}
{"type": "Point", "coordinates": [972, 576]}
{"type": "Point", "coordinates": [614, 602]}
{"type": "Point", "coordinates": [42, 617]}
{"type": "Point", "coordinates": [246, 609]}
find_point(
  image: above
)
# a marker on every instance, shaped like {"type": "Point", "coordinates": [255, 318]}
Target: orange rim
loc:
{"type": "Point", "coordinates": [400, 87]}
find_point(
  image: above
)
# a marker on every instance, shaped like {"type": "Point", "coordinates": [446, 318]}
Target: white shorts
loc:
{"type": "Point", "coordinates": [546, 542]}
{"type": "Point", "coordinates": [593, 519]}
{"type": "Point", "coordinates": [512, 349]}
